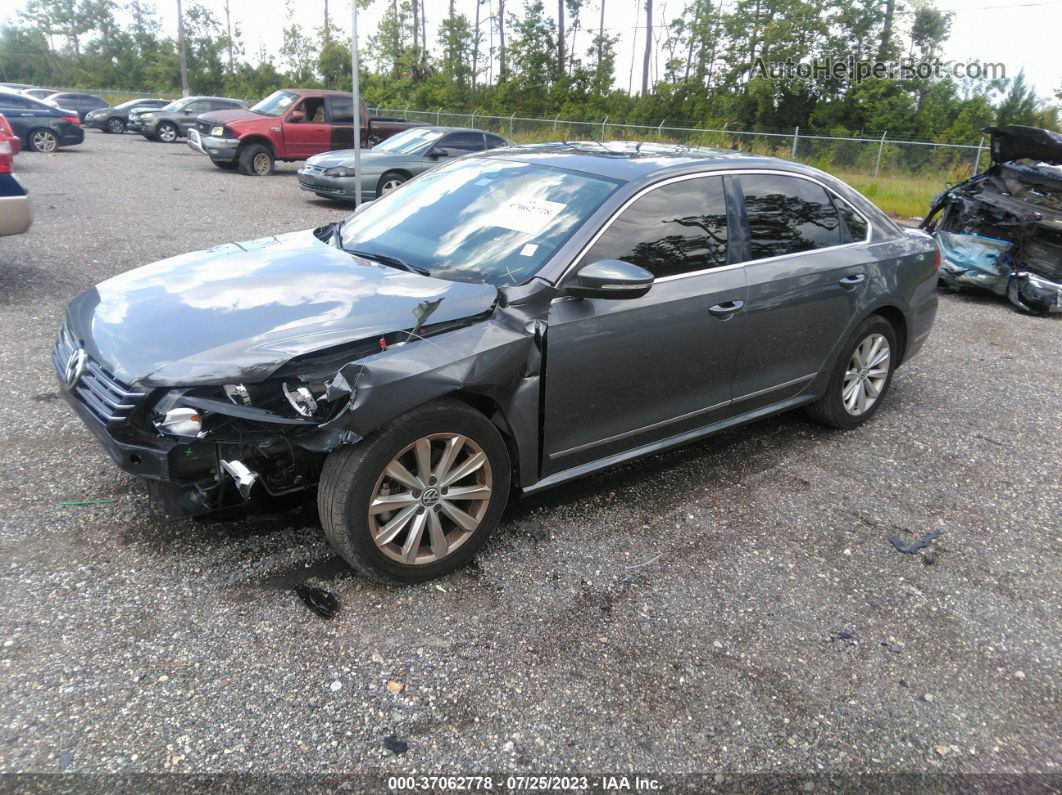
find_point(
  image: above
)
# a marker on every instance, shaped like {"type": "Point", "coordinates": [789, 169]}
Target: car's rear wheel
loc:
{"type": "Point", "coordinates": [416, 499]}
{"type": "Point", "coordinates": [115, 126]}
{"type": "Point", "coordinates": [168, 132]}
{"type": "Point", "coordinates": [42, 140]}
{"type": "Point", "coordinates": [861, 377]}
{"type": "Point", "coordinates": [389, 182]}
{"type": "Point", "coordinates": [256, 161]}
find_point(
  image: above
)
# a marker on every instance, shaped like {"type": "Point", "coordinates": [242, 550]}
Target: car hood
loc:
{"type": "Point", "coordinates": [1016, 141]}
{"type": "Point", "coordinates": [236, 115]}
{"type": "Point", "coordinates": [345, 157]}
{"type": "Point", "coordinates": [239, 311]}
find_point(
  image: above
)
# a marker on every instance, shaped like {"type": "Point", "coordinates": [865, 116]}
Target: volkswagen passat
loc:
{"type": "Point", "coordinates": [508, 321]}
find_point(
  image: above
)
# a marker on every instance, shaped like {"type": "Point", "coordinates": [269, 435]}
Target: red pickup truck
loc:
{"type": "Point", "coordinates": [289, 124]}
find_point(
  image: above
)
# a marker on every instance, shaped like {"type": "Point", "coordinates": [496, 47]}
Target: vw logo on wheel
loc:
{"type": "Point", "coordinates": [430, 497]}
{"type": "Point", "coordinates": [75, 367]}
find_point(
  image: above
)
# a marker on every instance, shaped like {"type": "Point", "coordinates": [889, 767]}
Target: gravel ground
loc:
{"type": "Point", "coordinates": [733, 606]}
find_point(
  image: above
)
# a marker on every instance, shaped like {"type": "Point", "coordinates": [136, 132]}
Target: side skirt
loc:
{"type": "Point", "coordinates": [670, 442]}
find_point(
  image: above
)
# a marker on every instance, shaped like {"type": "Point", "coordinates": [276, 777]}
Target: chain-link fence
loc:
{"type": "Point", "coordinates": [871, 157]}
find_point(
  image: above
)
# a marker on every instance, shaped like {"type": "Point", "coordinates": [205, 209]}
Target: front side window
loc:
{"type": "Point", "coordinates": [787, 215]}
{"type": "Point", "coordinates": [481, 220]}
{"type": "Point", "coordinates": [199, 106]}
{"type": "Point", "coordinates": [677, 228]}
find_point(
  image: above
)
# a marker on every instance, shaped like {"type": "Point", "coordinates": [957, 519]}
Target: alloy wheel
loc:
{"type": "Point", "coordinates": [116, 126]}
{"type": "Point", "coordinates": [44, 141]}
{"type": "Point", "coordinates": [167, 133]}
{"type": "Point", "coordinates": [430, 498]}
{"type": "Point", "coordinates": [865, 377]}
{"type": "Point", "coordinates": [261, 164]}
{"type": "Point", "coordinates": [389, 186]}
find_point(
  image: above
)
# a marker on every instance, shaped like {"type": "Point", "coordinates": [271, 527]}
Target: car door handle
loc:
{"type": "Point", "coordinates": [853, 280]}
{"type": "Point", "coordinates": [726, 309]}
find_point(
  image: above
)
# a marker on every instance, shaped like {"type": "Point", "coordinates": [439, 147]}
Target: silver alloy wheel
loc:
{"type": "Point", "coordinates": [390, 185]}
{"type": "Point", "coordinates": [167, 133]}
{"type": "Point", "coordinates": [261, 164]}
{"type": "Point", "coordinates": [867, 372]}
{"type": "Point", "coordinates": [430, 499]}
{"type": "Point", "coordinates": [116, 126]}
{"type": "Point", "coordinates": [44, 141]}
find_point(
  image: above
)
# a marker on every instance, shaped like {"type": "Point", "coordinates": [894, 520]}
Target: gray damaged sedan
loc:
{"type": "Point", "coordinates": [393, 161]}
{"type": "Point", "coordinates": [504, 323]}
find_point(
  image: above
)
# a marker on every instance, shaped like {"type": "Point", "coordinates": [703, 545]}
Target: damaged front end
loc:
{"type": "Point", "coordinates": [1002, 230]}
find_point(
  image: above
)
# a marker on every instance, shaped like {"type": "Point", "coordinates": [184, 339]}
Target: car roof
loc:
{"type": "Point", "coordinates": [303, 91]}
{"type": "Point", "coordinates": [634, 160]}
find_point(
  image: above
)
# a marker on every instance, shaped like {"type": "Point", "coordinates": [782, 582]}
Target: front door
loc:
{"type": "Point", "coordinates": [625, 372]}
{"type": "Point", "coordinates": [805, 272]}
{"type": "Point", "coordinates": [306, 130]}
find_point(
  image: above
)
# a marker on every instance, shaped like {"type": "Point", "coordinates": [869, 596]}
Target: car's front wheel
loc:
{"type": "Point", "coordinates": [390, 181]}
{"type": "Point", "coordinates": [861, 377]}
{"type": "Point", "coordinates": [417, 498]}
{"type": "Point", "coordinates": [168, 133]}
{"type": "Point", "coordinates": [115, 126]}
{"type": "Point", "coordinates": [43, 141]}
{"type": "Point", "coordinates": [256, 160]}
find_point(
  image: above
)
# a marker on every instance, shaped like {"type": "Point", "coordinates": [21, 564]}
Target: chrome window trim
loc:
{"type": "Point", "coordinates": [722, 173]}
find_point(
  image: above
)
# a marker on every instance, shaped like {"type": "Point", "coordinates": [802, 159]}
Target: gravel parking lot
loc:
{"type": "Point", "coordinates": [733, 607]}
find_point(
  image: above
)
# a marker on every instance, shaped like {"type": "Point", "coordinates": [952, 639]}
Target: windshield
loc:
{"type": "Point", "coordinates": [131, 103]}
{"type": "Point", "coordinates": [177, 104]}
{"type": "Point", "coordinates": [478, 220]}
{"type": "Point", "coordinates": [275, 104]}
{"type": "Point", "coordinates": [408, 141]}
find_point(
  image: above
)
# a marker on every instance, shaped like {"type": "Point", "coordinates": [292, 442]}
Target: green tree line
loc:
{"type": "Point", "coordinates": [698, 68]}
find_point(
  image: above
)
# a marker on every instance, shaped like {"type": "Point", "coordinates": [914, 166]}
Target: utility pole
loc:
{"type": "Point", "coordinates": [648, 46]}
{"type": "Point", "coordinates": [228, 28]}
{"type": "Point", "coordinates": [501, 41]}
{"type": "Point", "coordinates": [560, 39]}
{"type": "Point", "coordinates": [355, 74]}
{"type": "Point", "coordinates": [180, 46]}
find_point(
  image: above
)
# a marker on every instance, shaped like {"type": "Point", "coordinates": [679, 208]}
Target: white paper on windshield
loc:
{"type": "Point", "coordinates": [528, 250]}
{"type": "Point", "coordinates": [526, 215]}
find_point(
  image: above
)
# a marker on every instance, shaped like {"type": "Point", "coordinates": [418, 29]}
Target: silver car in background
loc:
{"type": "Point", "coordinates": [393, 161]}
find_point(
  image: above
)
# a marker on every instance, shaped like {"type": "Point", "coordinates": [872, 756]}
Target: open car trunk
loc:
{"type": "Point", "coordinates": [1002, 230]}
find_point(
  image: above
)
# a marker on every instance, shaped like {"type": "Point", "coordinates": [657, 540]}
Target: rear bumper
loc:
{"type": "Point", "coordinates": [15, 212]}
{"type": "Point", "coordinates": [71, 136]}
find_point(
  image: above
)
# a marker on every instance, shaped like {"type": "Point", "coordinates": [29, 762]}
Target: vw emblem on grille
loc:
{"type": "Point", "coordinates": [75, 367]}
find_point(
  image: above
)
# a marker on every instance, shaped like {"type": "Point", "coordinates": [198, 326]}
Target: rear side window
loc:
{"type": "Point", "coordinates": [787, 215]}
{"type": "Point", "coordinates": [463, 142]}
{"type": "Point", "coordinates": [676, 228]}
{"type": "Point", "coordinates": [853, 221]}
{"type": "Point", "coordinates": [342, 110]}
{"type": "Point", "coordinates": [494, 142]}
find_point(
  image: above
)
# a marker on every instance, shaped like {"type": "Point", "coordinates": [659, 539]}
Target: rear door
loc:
{"type": "Point", "coordinates": [805, 275]}
{"type": "Point", "coordinates": [623, 373]}
{"type": "Point", "coordinates": [306, 129]}
{"type": "Point", "coordinates": [341, 119]}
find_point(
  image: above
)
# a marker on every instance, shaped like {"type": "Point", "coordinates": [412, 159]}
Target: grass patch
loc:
{"type": "Point", "coordinates": [897, 195]}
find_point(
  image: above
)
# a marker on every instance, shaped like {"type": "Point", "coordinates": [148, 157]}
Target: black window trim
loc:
{"type": "Point", "coordinates": [729, 190]}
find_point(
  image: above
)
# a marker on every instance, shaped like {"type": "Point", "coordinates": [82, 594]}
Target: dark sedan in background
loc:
{"type": "Point", "coordinates": [42, 128]}
{"type": "Point", "coordinates": [512, 319]}
{"type": "Point", "coordinates": [81, 104]}
{"type": "Point", "coordinates": [174, 120]}
{"type": "Point", "coordinates": [390, 163]}
{"type": "Point", "coordinates": [115, 120]}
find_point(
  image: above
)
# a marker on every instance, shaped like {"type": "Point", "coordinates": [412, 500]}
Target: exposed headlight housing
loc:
{"type": "Point", "coordinates": [217, 130]}
{"type": "Point", "coordinates": [339, 171]}
{"type": "Point", "coordinates": [301, 399]}
{"type": "Point", "coordinates": [182, 422]}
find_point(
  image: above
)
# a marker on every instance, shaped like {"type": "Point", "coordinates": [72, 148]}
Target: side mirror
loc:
{"type": "Point", "coordinates": [610, 278]}
{"type": "Point", "coordinates": [438, 152]}
{"type": "Point", "coordinates": [296, 115]}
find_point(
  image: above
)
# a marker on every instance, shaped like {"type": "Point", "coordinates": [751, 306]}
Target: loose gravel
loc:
{"type": "Point", "coordinates": [733, 606]}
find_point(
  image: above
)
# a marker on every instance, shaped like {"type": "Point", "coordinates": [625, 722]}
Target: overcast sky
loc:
{"type": "Point", "coordinates": [1018, 35]}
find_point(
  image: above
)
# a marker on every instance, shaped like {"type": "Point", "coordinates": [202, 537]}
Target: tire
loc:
{"type": "Point", "coordinates": [42, 140]}
{"type": "Point", "coordinates": [167, 132]}
{"type": "Point", "coordinates": [226, 165]}
{"type": "Point", "coordinates": [256, 161]}
{"type": "Point", "coordinates": [114, 126]}
{"type": "Point", "coordinates": [353, 475]}
{"type": "Point", "coordinates": [850, 399]}
{"type": "Point", "coordinates": [389, 182]}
